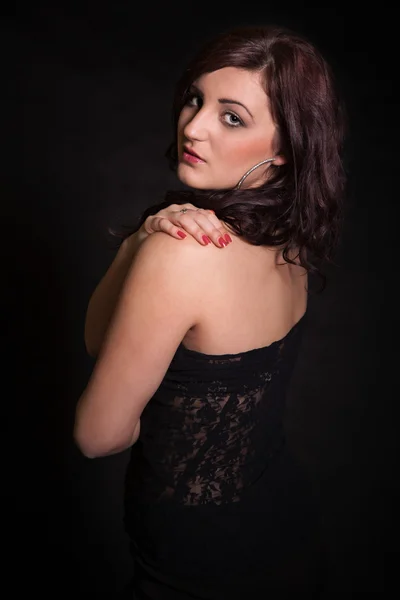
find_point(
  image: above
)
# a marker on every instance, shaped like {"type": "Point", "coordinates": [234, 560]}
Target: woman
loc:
{"type": "Point", "coordinates": [196, 345]}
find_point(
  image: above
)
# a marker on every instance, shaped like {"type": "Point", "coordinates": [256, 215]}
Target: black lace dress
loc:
{"type": "Point", "coordinates": [215, 505]}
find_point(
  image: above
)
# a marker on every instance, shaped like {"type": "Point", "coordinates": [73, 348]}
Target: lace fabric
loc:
{"type": "Point", "coordinates": [213, 426]}
{"type": "Point", "coordinates": [216, 506]}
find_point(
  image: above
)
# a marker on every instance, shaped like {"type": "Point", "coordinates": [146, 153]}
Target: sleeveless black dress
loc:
{"type": "Point", "coordinates": [215, 505]}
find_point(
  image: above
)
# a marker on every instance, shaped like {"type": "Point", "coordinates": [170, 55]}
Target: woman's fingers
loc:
{"type": "Point", "coordinates": [160, 223]}
{"type": "Point", "coordinates": [201, 223]}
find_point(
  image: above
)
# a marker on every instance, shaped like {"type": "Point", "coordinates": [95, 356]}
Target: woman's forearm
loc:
{"type": "Point", "coordinates": [104, 299]}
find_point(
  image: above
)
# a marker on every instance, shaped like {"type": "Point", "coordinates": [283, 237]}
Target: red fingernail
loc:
{"type": "Point", "coordinates": [228, 238]}
{"type": "Point", "coordinates": [181, 234]}
{"type": "Point", "coordinates": [222, 242]}
{"type": "Point", "coordinates": [205, 239]}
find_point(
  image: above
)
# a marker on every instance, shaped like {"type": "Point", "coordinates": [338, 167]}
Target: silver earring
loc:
{"type": "Point", "coordinates": [252, 169]}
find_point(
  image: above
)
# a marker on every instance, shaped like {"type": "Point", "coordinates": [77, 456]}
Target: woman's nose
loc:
{"type": "Point", "coordinates": [197, 127]}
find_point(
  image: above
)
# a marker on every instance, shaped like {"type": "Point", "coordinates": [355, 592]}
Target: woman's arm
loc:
{"type": "Point", "coordinates": [104, 299]}
{"type": "Point", "coordinates": [161, 299]}
{"type": "Point", "coordinates": [170, 220]}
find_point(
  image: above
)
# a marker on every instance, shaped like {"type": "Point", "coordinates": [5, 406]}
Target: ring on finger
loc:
{"type": "Point", "coordinates": [184, 210]}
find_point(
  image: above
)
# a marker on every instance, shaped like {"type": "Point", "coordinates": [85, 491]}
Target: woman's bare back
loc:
{"type": "Point", "coordinates": [253, 300]}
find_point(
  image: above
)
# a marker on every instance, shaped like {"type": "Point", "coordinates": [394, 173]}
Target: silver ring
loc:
{"type": "Point", "coordinates": [183, 210]}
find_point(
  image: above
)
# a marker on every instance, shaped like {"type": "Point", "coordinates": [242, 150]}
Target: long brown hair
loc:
{"type": "Point", "coordinates": [300, 205]}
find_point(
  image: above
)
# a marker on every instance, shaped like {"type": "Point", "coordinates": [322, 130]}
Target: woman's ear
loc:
{"type": "Point", "coordinates": [279, 160]}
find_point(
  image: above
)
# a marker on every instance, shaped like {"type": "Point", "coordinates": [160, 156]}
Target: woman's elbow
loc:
{"type": "Point", "coordinates": [94, 445]}
{"type": "Point", "coordinates": [91, 350]}
{"type": "Point", "coordinates": [92, 345]}
{"type": "Point", "coordinates": [93, 337]}
{"type": "Point", "coordinates": [85, 444]}
{"type": "Point", "coordinates": [90, 442]}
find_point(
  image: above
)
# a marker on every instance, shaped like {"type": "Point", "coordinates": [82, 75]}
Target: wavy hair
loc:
{"type": "Point", "coordinates": [300, 205]}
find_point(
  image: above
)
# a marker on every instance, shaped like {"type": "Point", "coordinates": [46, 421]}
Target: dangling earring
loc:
{"type": "Point", "coordinates": [252, 169]}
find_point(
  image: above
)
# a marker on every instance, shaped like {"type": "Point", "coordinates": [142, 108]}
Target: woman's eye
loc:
{"type": "Point", "coordinates": [193, 100]}
{"type": "Point", "coordinates": [232, 120]}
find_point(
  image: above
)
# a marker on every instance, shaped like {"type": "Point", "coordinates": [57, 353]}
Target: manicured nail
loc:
{"type": "Point", "coordinates": [222, 242]}
{"type": "Point", "coordinates": [181, 234]}
{"type": "Point", "coordinates": [228, 238]}
{"type": "Point", "coordinates": [205, 239]}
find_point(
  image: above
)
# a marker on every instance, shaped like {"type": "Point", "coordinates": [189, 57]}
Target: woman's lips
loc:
{"type": "Point", "coordinates": [190, 157]}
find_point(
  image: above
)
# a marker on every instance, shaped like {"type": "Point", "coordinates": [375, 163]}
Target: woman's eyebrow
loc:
{"type": "Point", "coordinates": [194, 88]}
{"type": "Point", "coordinates": [229, 101]}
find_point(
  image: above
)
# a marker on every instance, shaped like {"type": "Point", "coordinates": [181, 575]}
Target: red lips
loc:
{"type": "Point", "coordinates": [190, 151]}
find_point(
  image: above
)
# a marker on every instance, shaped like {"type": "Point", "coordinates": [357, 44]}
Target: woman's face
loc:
{"type": "Point", "coordinates": [226, 121]}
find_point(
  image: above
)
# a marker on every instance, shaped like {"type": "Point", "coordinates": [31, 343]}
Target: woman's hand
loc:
{"type": "Point", "coordinates": [200, 223]}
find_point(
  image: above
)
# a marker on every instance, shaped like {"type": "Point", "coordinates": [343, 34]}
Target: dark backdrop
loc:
{"type": "Point", "coordinates": [85, 122]}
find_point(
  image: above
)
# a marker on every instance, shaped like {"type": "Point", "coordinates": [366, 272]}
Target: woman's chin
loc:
{"type": "Point", "coordinates": [187, 176]}
{"type": "Point", "coordinates": [194, 179]}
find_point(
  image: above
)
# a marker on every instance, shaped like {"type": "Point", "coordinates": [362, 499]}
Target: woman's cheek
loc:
{"type": "Point", "coordinates": [251, 153]}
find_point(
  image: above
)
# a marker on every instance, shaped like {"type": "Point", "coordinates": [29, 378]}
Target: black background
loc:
{"type": "Point", "coordinates": [87, 90]}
